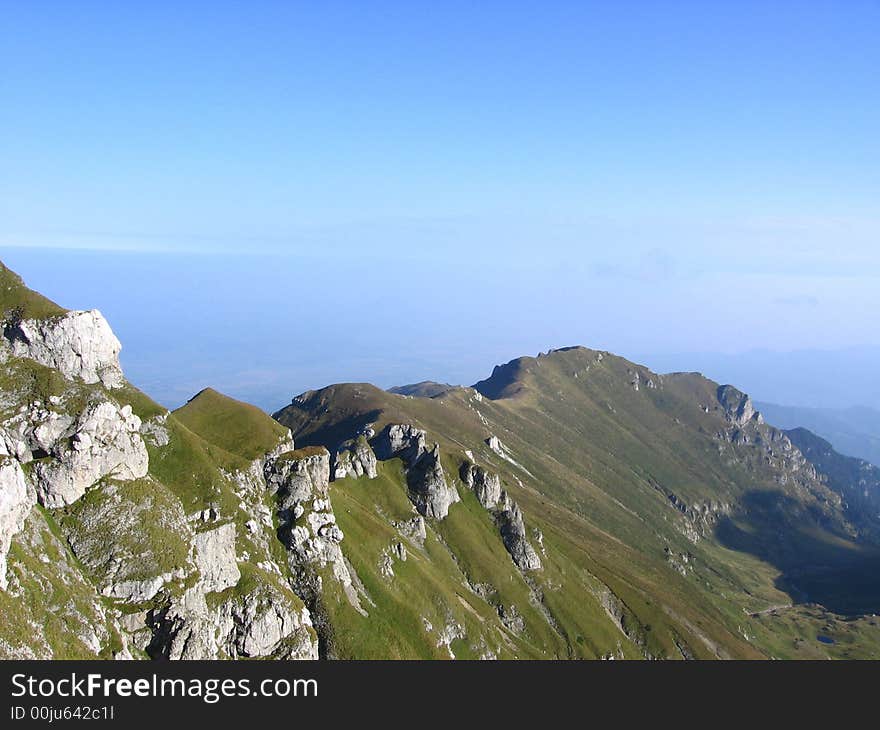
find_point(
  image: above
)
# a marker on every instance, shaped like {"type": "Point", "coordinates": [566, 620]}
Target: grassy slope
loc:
{"type": "Point", "coordinates": [236, 427]}
{"type": "Point", "coordinates": [13, 293]}
{"type": "Point", "coordinates": [599, 449]}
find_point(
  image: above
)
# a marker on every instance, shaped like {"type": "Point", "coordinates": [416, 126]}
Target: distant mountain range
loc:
{"type": "Point", "coordinates": [573, 505]}
{"type": "Point", "coordinates": [852, 431]}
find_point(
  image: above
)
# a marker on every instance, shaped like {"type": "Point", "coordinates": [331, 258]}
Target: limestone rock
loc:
{"type": "Point", "coordinates": [513, 533]}
{"type": "Point", "coordinates": [428, 488]}
{"type": "Point", "coordinates": [401, 440]}
{"type": "Point", "coordinates": [267, 622]}
{"type": "Point", "coordinates": [298, 476]}
{"type": "Point", "coordinates": [354, 458]}
{"type": "Point", "coordinates": [79, 344]}
{"type": "Point", "coordinates": [494, 443]}
{"type": "Point", "coordinates": [215, 558]}
{"type": "Point", "coordinates": [485, 485]}
{"type": "Point", "coordinates": [738, 407]}
{"type": "Point", "coordinates": [104, 441]}
{"type": "Point", "coordinates": [16, 500]}
{"type": "Point", "coordinates": [413, 529]}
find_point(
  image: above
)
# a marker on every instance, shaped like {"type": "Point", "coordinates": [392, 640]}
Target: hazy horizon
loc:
{"type": "Point", "coordinates": [271, 199]}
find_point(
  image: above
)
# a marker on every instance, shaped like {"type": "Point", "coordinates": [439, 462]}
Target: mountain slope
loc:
{"type": "Point", "coordinates": [573, 505]}
{"type": "Point", "coordinates": [852, 431]}
{"type": "Point", "coordinates": [669, 485]}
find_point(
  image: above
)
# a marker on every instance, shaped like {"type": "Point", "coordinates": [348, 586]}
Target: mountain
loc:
{"type": "Point", "coordinates": [852, 431]}
{"type": "Point", "coordinates": [571, 505]}
{"type": "Point", "coordinates": [425, 389]}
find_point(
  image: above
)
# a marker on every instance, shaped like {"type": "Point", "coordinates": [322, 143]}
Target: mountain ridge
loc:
{"type": "Point", "coordinates": [570, 505]}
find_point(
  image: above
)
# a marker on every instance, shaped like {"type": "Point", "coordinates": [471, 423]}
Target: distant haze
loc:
{"type": "Point", "coordinates": [267, 327]}
{"type": "Point", "coordinates": [269, 197]}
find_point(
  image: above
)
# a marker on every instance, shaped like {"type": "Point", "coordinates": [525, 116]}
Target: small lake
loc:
{"type": "Point", "coordinates": [825, 639]}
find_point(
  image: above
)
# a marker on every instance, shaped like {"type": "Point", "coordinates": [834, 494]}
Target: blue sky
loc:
{"type": "Point", "coordinates": [267, 197]}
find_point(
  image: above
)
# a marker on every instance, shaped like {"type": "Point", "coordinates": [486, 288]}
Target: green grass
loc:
{"type": "Point", "coordinates": [14, 293]}
{"type": "Point", "coordinates": [57, 606]}
{"type": "Point", "coordinates": [429, 585]}
{"type": "Point", "coordinates": [236, 427]}
{"type": "Point", "coordinates": [130, 530]}
{"type": "Point", "coordinates": [598, 459]}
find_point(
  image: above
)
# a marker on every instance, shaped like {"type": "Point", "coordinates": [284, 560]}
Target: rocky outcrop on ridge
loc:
{"type": "Point", "coordinates": [16, 500]}
{"type": "Point", "coordinates": [300, 481]}
{"type": "Point", "coordinates": [429, 491]}
{"type": "Point", "coordinates": [80, 345]}
{"type": "Point", "coordinates": [354, 458]}
{"type": "Point", "coordinates": [507, 514]}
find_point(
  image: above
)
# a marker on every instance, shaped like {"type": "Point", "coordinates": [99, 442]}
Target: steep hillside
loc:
{"type": "Point", "coordinates": [127, 531]}
{"type": "Point", "coordinates": [668, 491]}
{"type": "Point", "coordinates": [573, 505]}
{"type": "Point", "coordinates": [851, 431]}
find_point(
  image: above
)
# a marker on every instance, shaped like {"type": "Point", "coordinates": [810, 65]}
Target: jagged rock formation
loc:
{"type": "Point", "coordinates": [738, 407]}
{"type": "Point", "coordinates": [400, 440]}
{"type": "Point", "coordinates": [354, 458]}
{"type": "Point", "coordinates": [513, 532]}
{"type": "Point", "coordinates": [659, 516]}
{"type": "Point", "coordinates": [487, 488]}
{"type": "Point", "coordinates": [168, 558]}
{"type": "Point", "coordinates": [428, 488]}
{"type": "Point", "coordinates": [78, 344]}
{"type": "Point", "coordinates": [485, 485]}
{"type": "Point", "coordinates": [263, 623]}
{"type": "Point", "coordinates": [15, 504]}
{"type": "Point", "coordinates": [301, 481]}
{"type": "Point", "coordinates": [103, 441]}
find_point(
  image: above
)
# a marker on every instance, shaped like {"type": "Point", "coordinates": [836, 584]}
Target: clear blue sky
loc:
{"type": "Point", "coordinates": [272, 196]}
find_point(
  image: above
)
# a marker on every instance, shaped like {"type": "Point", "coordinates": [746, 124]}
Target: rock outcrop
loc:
{"type": "Point", "coordinates": [738, 407]}
{"type": "Point", "coordinates": [354, 458]}
{"type": "Point", "coordinates": [16, 500]}
{"type": "Point", "coordinates": [266, 622]}
{"type": "Point", "coordinates": [401, 440]}
{"type": "Point", "coordinates": [487, 488]}
{"type": "Point", "coordinates": [80, 345]}
{"type": "Point", "coordinates": [103, 441]}
{"type": "Point", "coordinates": [215, 558]}
{"type": "Point", "coordinates": [485, 485]}
{"type": "Point", "coordinates": [300, 481]}
{"type": "Point", "coordinates": [296, 476]}
{"type": "Point", "coordinates": [428, 489]}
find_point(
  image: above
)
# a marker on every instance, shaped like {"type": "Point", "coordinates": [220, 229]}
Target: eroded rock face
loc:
{"type": "Point", "coordinates": [354, 458]}
{"type": "Point", "coordinates": [301, 481]}
{"type": "Point", "coordinates": [79, 344]}
{"type": "Point", "coordinates": [513, 533]}
{"type": "Point", "coordinates": [401, 440]}
{"type": "Point", "coordinates": [296, 478]}
{"type": "Point", "coordinates": [104, 440]}
{"type": "Point", "coordinates": [738, 407]}
{"type": "Point", "coordinates": [216, 559]}
{"type": "Point", "coordinates": [16, 500]}
{"type": "Point", "coordinates": [428, 488]}
{"type": "Point", "coordinates": [267, 622]}
{"type": "Point", "coordinates": [485, 485]}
